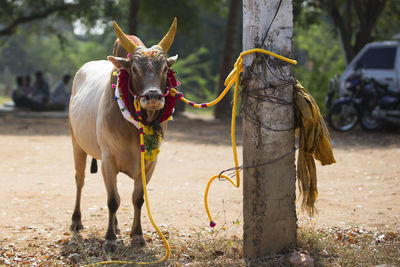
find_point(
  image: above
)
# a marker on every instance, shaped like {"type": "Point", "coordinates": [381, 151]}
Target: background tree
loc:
{"type": "Point", "coordinates": [63, 41]}
{"type": "Point", "coordinates": [223, 108]}
{"type": "Point", "coordinates": [81, 31]}
{"type": "Point", "coordinates": [357, 22]}
{"type": "Point", "coordinates": [14, 13]}
{"type": "Point", "coordinates": [133, 16]}
{"type": "Point", "coordinates": [318, 52]}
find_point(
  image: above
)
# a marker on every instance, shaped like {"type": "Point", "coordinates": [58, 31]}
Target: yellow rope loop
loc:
{"type": "Point", "coordinates": [233, 78]}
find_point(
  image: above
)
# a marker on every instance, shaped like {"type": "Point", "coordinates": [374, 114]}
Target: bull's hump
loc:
{"type": "Point", "coordinates": [136, 40]}
{"type": "Point", "coordinates": [96, 72]}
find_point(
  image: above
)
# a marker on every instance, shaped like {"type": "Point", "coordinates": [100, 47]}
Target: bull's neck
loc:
{"type": "Point", "coordinates": [113, 116]}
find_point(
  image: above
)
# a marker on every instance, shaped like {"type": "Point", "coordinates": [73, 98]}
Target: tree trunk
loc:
{"type": "Point", "coordinates": [223, 108]}
{"type": "Point", "coordinates": [366, 14]}
{"type": "Point", "coordinates": [268, 131]}
{"type": "Point", "coordinates": [133, 17]}
{"type": "Point", "coordinates": [344, 29]}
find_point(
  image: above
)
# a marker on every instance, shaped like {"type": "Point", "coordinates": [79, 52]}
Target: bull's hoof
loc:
{"type": "Point", "coordinates": [76, 227]}
{"type": "Point", "coordinates": [110, 246]}
{"type": "Point", "coordinates": [138, 241]}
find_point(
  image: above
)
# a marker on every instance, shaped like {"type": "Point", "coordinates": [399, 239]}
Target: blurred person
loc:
{"type": "Point", "coordinates": [40, 93]}
{"type": "Point", "coordinates": [19, 95]}
{"type": "Point", "coordinates": [59, 98]}
{"type": "Point", "coordinates": [28, 88]}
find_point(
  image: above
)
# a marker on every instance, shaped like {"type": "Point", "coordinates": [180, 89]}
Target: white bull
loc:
{"type": "Point", "coordinates": [99, 129]}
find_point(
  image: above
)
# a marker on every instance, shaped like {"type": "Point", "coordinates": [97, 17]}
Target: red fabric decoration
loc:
{"type": "Point", "coordinates": [168, 107]}
{"type": "Point", "coordinates": [172, 82]}
{"type": "Point", "coordinates": [170, 100]}
{"type": "Point", "coordinates": [123, 78]}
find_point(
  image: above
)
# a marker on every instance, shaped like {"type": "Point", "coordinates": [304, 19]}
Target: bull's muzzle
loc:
{"type": "Point", "coordinates": [152, 99]}
{"type": "Point", "coordinates": [153, 94]}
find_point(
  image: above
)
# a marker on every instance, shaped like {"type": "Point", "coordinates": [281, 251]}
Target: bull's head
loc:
{"type": "Point", "coordinates": [147, 68]}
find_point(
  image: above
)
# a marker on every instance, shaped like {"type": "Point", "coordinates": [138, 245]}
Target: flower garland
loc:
{"type": "Point", "coordinates": [152, 139]}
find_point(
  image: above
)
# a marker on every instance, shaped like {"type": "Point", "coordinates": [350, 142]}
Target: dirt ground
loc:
{"type": "Point", "coordinates": [37, 191]}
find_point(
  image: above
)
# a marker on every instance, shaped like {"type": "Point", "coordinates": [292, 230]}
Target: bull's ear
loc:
{"type": "Point", "coordinates": [119, 62]}
{"type": "Point", "coordinates": [171, 60]}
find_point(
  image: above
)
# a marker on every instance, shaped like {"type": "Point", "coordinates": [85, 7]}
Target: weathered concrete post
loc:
{"type": "Point", "coordinates": [268, 191]}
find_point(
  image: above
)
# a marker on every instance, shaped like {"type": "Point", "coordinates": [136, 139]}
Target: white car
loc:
{"type": "Point", "coordinates": [379, 60]}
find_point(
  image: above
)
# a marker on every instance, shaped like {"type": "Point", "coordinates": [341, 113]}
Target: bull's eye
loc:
{"type": "Point", "coordinates": [134, 69]}
{"type": "Point", "coordinates": [165, 69]}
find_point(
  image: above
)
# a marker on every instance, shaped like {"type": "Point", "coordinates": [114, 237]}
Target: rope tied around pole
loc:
{"type": "Point", "coordinates": [233, 78]}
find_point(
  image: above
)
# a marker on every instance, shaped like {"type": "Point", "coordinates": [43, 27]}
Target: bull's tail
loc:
{"type": "Point", "coordinates": [93, 166]}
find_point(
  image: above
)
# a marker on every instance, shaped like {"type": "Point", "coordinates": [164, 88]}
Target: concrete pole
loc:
{"type": "Point", "coordinates": [268, 191]}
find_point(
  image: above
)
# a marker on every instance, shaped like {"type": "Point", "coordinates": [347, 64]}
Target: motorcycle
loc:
{"type": "Point", "coordinates": [333, 87]}
{"type": "Point", "coordinates": [369, 102]}
{"type": "Point", "coordinates": [388, 109]}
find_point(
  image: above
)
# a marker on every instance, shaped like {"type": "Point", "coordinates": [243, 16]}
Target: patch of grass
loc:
{"type": "Point", "coordinates": [350, 247]}
{"type": "Point", "coordinates": [205, 247]}
{"type": "Point", "coordinates": [4, 99]}
{"type": "Point", "coordinates": [210, 247]}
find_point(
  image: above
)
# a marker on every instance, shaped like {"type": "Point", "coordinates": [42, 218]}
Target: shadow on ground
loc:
{"type": "Point", "coordinates": [80, 250]}
{"type": "Point", "coordinates": [359, 138]}
{"type": "Point", "coordinates": [197, 129]}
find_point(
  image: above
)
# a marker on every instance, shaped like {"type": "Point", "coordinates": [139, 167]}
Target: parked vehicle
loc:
{"type": "Point", "coordinates": [380, 61]}
{"type": "Point", "coordinates": [333, 87]}
{"type": "Point", "coordinates": [368, 102]}
{"type": "Point", "coordinates": [388, 109]}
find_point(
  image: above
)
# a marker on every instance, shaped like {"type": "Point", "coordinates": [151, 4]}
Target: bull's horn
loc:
{"type": "Point", "coordinates": [125, 41]}
{"type": "Point", "coordinates": [166, 42]}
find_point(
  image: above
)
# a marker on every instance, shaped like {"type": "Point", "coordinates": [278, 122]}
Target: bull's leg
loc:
{"type": "Point", "coordinates": [117, 231]}
{"type": "Point", "coordinates": [113, 201]}
{"type": "Point", "coordinates": [137, 201]}
{"type": "Point", "coordinates": [80, 165]}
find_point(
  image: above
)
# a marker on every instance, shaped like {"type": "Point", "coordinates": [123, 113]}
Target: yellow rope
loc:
{"type": "Point", "coordinates": [232, 78]}
{"type": "Point", "coordinates": [107, 262]}
{"type": "Point", "coordinates": [146, 198]}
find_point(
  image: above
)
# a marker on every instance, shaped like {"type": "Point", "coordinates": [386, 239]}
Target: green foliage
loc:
{"type": "Point", "coordinates": [316, 38]}
{"type": "Point", "coordinates": [160, 13]}
{"type": "Point", "coordinates": [306, 13]}
{"type": "Point", "coordinates": [323, 59]}
{"type": "Point", "coordinates": [27, 54]}
{"type": "Point", "coordinates": [26, 15]}
{"type": "Point", "coordinates": [358, 22]}
{"type": "Point", "coordinates": [195, 74]}
{"type": "Point", "coordinates": [50, 45]}
{"type": "Point", "coordinates": [388, 23]}
{"type": "Point", "coordinates": [4, 99]}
